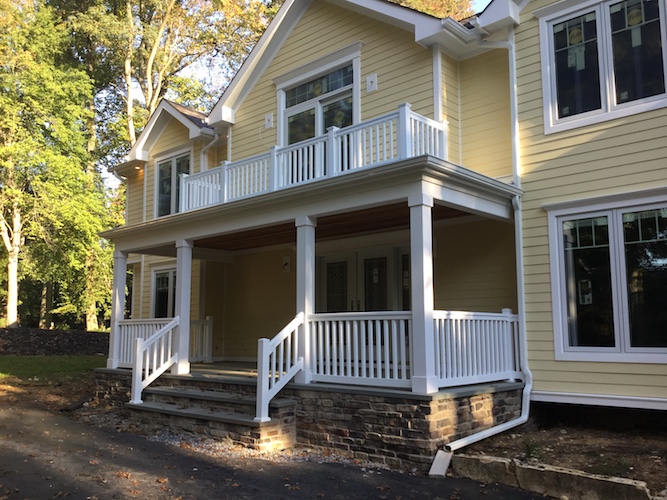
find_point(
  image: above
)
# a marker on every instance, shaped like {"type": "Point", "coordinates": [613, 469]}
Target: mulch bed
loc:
{"type": "Point", "coordinates": [36, 342]}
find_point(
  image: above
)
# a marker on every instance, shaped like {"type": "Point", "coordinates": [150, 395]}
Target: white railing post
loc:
{"type": "Point", "coordinates": [224, 190]}
{"type": "Point", "coordinates": [405, 139]}
{"type": "Point", "coordinates": [274, 174]}
{"type": "Point", "coordinates": [332, 166]}
{"type": "Point", "coordinates": [511, 362]}
{"type": "Point", "coordinates": [137, 372]}
{"type": "Point", "coordinates": [263, 380]}
{"type": "Point", "coordinates": [305, 287]}
{"type": "Point", "coordinates": [443, 138]}
{"type": "Point", "coordinates": [184, 193]}
{"type": "Point", "coordinates": [117, 306]}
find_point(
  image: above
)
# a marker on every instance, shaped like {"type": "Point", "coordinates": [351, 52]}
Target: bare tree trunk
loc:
{"type": "Point", "coordinates": [92, 325]}
{"type": "Point", "coordinates": [46, 305]}
{"type": "Point", "coordinates": [128, 74]}
{"type": "Point", "coordinates": [12, 237]}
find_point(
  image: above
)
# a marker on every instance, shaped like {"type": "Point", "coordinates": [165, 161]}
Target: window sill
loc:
{"type": "Point", "coordinates": [612, 357]}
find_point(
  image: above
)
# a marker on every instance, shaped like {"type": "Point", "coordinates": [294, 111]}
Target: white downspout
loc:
{"type": "Point", "coordinates": [203, 158]}
{"type": "Point", "coordinates": [518, 238]}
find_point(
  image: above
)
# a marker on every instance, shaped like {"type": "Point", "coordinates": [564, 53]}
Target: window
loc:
{"type": "Point", "coordinates": [164, 293]}
{"type": "Point", "coordinates": [609, 274]}
{"type": "Point", "coordinates": [168, 183]}
{"type": "Point", "coordinates": [605, 60]}
{"type": "Point", "coordinates": [312, 107]}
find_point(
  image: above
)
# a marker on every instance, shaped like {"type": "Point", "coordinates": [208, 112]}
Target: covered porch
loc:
{"type": "Point", "coordinates": [407, 343]}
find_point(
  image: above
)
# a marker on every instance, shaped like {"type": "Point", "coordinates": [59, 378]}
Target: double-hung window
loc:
{"type": "Point", "coordinates": [168, 179]}
{"type": "Point", "coordinates": [602, 60]}
{"type": "Point", "coordinates": [609, 276]}
{"type": "Point", "coordinates": [164, 293]}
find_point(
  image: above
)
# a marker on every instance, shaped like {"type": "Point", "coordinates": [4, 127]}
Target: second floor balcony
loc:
{"type": "Point", "coordinates": [388, 138]}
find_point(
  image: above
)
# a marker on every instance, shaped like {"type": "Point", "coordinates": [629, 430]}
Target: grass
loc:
{"type": "Point", "coordinates": [47, 367]}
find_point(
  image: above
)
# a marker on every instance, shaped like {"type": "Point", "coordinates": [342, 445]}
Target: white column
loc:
{"type": "Point", "coordinates": [183, 283]}
{"type": "Point", "coordinates": [423, 376]}
{"type": "Point", "coordinates": [305, 288]}
{"type": "Point", "coordinates": [117, 306]}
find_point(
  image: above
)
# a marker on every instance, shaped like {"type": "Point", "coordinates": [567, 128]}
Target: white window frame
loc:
{"type": "Point", "coordinates": [173, 156]}
{"type": "Point", "coordinates": [171, 269]}
{"type": "Point", "coordinates": [569, 9]}
{"type": "Point", "coordinates": [611, 206]}
{"type": "Point", "coordinates": [341, 58]}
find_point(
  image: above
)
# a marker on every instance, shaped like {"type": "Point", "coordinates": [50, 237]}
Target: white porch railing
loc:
{"type": "Point", "coordinates": [201, 338]}
{"type": "Point", "coordinates": [473, 347]}
{"type": "Point", "coordinates": [395, 136]}
{"type": "Point", "coordinates": [365, 348]}
{"type": "Point", "coordinates": [277, 363]}
{"type": "Point", "coordinates": [152, 357]}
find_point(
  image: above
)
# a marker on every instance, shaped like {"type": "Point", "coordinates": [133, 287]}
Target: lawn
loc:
{"type": "Point", "coordinates": [47, 367]}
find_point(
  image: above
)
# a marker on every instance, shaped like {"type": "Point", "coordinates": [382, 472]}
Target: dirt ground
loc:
{"type": "Point", "coordinates": [624, 443]}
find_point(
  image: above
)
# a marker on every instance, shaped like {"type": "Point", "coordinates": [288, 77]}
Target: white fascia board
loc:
{"type": "Point", "coordinates": [500, 14]}
{"type": "Point", "coordinates": [258, 61]}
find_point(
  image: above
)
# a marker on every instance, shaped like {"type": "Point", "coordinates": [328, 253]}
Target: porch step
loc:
{"type": "Point", "coordinates": [219, 414]}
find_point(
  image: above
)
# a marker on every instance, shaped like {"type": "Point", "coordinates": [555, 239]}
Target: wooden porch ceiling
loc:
{"type": "Point", "coordinates": [387, 217]}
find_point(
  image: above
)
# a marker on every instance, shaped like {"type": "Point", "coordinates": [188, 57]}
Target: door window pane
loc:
{"type": "Point", "coordinates": [637, 49]}
{"type": "Point", "coordinates": [577, 67]}
{"type": "Point", "coordinates": [164, 188]}
{"type": "Point", "coordinates": [375, 284]}
{"type": "Point", "coordinates": [336, 286]}
{"type": "Point", "coordinates": [301, 126]}
{"type": "Point", "coordinates": [588, 282]}
{"type": "Point", "coordinates": [165, 294]}
{"type": "Point", "coordinates": [645, 242]}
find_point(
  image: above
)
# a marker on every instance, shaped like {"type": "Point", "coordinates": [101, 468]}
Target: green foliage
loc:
{"type": "Point", "coordinates": [47, 367]}
{"type": "Point", "coordinates": [458, 9]}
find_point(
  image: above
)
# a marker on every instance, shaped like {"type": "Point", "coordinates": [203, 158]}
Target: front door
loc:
{"type": "Point", "coordinates": [359, 281]}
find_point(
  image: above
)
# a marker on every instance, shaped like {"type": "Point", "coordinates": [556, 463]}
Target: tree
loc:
{"type": "Point", "coordinates": [458, 9]}
{"type": "Point", "coordinates": [42, 135]}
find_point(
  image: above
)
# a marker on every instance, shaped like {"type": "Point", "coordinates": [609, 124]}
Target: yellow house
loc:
{"type": "Point", "coordinates": [395, 215]}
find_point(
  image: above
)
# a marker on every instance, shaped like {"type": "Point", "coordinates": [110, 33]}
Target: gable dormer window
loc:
{"type": "Point", "coordinates": [603, 60]}
{"type": "Point", "coordinates": [322, 94]}
{"type": "Point", "coordinates": [168, 172]}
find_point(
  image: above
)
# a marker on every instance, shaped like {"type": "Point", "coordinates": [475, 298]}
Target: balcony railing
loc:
{"type": "Point", "coordinates": [396, 136]}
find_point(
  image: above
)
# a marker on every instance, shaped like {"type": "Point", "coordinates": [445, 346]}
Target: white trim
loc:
{"type": "Point", "coordinates": [609, 110]}
{"type": "Point", "coordinates": [160, 269]}
{"type": "Point", "coordinates": [600, 400]}
{"type": "Point", "coordinates": [437, 84]}
{"type": "Point", "coordinates": [612, 208]}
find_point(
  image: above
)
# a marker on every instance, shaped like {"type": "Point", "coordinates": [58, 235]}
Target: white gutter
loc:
{"type": "Point", "coordinates": [203, 159]}
{"type": "Point", "coordinates": [518, 238]}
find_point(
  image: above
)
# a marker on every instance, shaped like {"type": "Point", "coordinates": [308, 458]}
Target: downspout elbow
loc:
{"type": "Point", "coordinates": [203, 158]}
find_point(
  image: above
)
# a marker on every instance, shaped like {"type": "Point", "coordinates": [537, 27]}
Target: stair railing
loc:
{"type": "Point", "coordinates": [277, 363]}
{"type": "Point", "coordinates": [152, 358]}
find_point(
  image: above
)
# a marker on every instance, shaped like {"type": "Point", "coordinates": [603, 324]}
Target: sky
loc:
{"type": "Point", "coordinates": [479, 5]}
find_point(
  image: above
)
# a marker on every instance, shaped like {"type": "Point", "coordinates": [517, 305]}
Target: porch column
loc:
{"type": "Point", "coordinates": [182, 308]}
{"type": "Point", "coordinates": [117, 306]}
{"type": "Point", "coordinates": [422, 367]}
{"type": "Point", "coordinates": [305, 287]}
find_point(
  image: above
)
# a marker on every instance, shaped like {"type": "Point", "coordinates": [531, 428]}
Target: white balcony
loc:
{"type": "Point", "coordinates": [370, 144]}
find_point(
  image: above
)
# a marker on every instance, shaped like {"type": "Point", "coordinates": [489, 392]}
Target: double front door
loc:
{"type": "Point", "coordinates": [364, 281]}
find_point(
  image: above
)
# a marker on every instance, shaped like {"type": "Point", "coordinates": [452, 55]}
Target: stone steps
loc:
{"type": "Point", "coordinates": [221, 414]}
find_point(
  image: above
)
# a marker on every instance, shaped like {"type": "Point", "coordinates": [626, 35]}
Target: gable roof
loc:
{"type": "Point", "coordinates": [457, 39]}
{"type": "Point", "coordinates": [195, 121]}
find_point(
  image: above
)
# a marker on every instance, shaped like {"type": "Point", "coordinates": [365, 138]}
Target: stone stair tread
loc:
{"type": "Point", "coordinates": [212, 395]}
{"type": "Point", "coordinates": [197, 412]}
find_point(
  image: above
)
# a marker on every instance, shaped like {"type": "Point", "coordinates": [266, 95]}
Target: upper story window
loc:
{"type": "Point", "coordinates": [605, 60]}
{"type": "Point", "coordinates": [168, 182]}
{"type": "Point", "coordinates": [322, 94]}
{"type": "Point", "coordinates": [609, 279]}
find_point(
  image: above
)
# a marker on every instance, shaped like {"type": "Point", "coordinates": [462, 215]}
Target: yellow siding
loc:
{"type": "Point", "coordinates": [404, 70]}
{"type": "Point", "coordinates": [134, 197]}
{"type": "Point", "coordinates": [214, 303]}
{"type": "Point", "coordinates": [486, 142]}
{"type": "Point", "coordinates": [621, 155]}
{"type": "Point", "coordinates": [475, 268]}
{"type": "Point", "coordinates": [260, 300]}
{"type": "Point", "coordinates": [450, 106]}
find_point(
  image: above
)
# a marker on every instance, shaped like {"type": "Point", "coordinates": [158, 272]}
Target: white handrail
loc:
{"type": "Point", "coordinates": [152, 358]}
{"type": "Point", "coordinates": [277, 364]}
{"type": "Point", "coordinates": [131, 329]}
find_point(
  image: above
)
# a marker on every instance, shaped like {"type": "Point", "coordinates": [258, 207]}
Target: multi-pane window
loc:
{"type": "Point", "coordinates": [164, 293]}
{"type": "Point", "coordinates": [605, 60]}
{"type": "Point", "coordinates": [168, 183]}
{"type": "Point", "coordinates": [323, 102]}
{"type": "Point", "coordinates": [612, 277]}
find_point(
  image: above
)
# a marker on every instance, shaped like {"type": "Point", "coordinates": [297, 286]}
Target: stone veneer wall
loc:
{"type": "Point", "coordinates": [400, 429]}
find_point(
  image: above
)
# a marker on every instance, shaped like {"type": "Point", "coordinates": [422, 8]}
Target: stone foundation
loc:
{"type": "Point", "coordinates": [396, 428]}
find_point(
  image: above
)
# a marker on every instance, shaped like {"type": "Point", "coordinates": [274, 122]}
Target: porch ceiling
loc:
{"type": "Point", "coordinates": [388, 217]}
